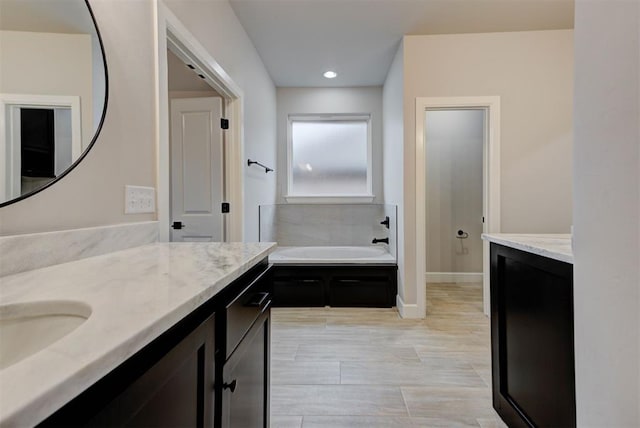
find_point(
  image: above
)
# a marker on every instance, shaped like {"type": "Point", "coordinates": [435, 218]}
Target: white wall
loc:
{"type": "Point", "coordinates": [217, 28]}
{"type": "Point", "coordinates": [454, 144]}
{"type": "Point", "coordinates": [393, 152]}
{"type": "Point", "coordinates": [330, 100]}
{"type": "Point", "coordinates": [49, 64]}
{"type": "Point", "coordinates": [532, 72]}
{"type": "Point", "coordinates": [607, 212]}
{"type": "Point", "coordinates": [93, 193]}
{"type": "Point", "coordinates": [125, 152]}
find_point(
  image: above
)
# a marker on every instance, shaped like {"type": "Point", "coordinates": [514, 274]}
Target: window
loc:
{"type": "Point", "coordinates": [329, 158]}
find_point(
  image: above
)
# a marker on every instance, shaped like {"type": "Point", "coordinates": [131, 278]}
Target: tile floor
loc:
{"type": "Point", "coordinates": [345, 367]}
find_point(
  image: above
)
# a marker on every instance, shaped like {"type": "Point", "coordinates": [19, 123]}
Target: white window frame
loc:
{"type": "Point", "coordinates": [353, 198]}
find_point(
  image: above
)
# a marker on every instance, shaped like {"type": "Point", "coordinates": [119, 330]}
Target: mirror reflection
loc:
{"type": "Point", "coordinates": [52, 91]}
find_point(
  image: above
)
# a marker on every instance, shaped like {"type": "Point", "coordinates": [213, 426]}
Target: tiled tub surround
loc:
{"type": "Point", "coordinates": [305, 225]}
{"type": "Point", "coordinates": [135, 295]}
{"type": "Point", "coordinates": [553, 246]}
{"type": "Point", "coordinates": [20, 253]}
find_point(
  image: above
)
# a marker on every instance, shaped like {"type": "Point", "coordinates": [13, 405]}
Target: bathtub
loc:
{"type": "Point", "coordinates": [318, 255]}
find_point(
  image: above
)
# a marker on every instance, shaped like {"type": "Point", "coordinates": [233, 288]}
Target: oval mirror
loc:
{"type": "Point", "coordinates": [53, 92]}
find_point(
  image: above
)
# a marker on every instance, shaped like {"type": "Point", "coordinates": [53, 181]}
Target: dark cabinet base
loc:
{"type": "Point", "coordinates": [532, 339]}
{"type": "Point", "coordinates": [335, 285]}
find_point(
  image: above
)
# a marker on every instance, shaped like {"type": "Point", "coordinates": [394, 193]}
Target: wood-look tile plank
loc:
{"type": "Point", "coordinates": [462, 405]}
{"type": "Point", "coordinates": [382, 422]}
{"type": "Point", "coordinates": [302, 335]}
{"type": "Point", "coordinates": [428, 372]}
{"type": "Point", "coordinates": [280, 421]}
{"type": "Point", "coordinates": [354, 352]}
{"type": "Point", "coordinates": [494, 422]}
{"type": "Point", "coordinates": [440, 366]}
{"type": "Point", "coordinates": [356, 422]}
{"type": "Point", "coordinates": [281, 350]}
{"type": "Point", "coordinates": [304, 373]}
{"type": "Point", "coordinates": [326, 400]}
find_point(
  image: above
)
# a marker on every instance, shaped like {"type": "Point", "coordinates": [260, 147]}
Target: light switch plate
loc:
{"type": "Point", "coordinates": [139, 199]}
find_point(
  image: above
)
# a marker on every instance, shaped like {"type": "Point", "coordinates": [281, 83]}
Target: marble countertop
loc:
{"type": "Point", "coordinates": [135, 295]}
{"type": "Point", "coordinates": [553, 246]}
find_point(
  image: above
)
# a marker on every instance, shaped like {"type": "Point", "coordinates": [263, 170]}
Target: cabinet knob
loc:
{"type": "Point", "coordinates": [231, 386]}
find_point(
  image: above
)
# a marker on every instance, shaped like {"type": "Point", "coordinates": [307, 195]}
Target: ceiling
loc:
{"type": "Point", "coordinates": [300, 39]}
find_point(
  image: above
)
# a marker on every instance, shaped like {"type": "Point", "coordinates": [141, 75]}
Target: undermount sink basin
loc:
{"type": "Point", "coordinates": [26, 328]}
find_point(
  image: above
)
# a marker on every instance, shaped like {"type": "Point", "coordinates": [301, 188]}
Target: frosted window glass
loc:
{"type": "Point", "coordinates": [329, 158]}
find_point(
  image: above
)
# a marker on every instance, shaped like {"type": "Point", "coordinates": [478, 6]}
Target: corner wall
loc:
{"type": "Point", "coordinates": [607, 213]}
{"type": "Point", "coordinates": [393, 154]}
{"type": "Point", "coordinates": [532, 72]}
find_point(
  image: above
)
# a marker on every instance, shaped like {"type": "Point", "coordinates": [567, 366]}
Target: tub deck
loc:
{"type": "Point", "coordinates": [374, 254]}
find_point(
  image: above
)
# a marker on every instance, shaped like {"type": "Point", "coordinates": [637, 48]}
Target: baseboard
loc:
{"type": "Point", "coordinates": [407, 310]}
{"type": "Point", "coordinates": [453, 277]}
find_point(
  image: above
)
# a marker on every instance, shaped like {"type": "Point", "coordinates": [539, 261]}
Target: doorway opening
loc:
{"type": "Point", "coordinates": [454, 139]}
{"type": "Point", "coordinates": [214, 162]}
{"type": "Point", "coordinates": [196, 155]}
{"type": "Point", "coordinates": [457, 190]}
{"type": "Point", "coordinates": [40, 137]}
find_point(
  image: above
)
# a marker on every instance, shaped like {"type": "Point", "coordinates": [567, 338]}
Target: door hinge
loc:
{"type": "Point", "coordinates": [224, 123]}
{"type": "Point", "coordinates": [483, 219]}
{"type": "Point", "coordinates": [225, 207]}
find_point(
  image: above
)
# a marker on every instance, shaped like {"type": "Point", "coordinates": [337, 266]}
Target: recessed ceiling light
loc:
{"type": "Point", "coordinates": [330, 74]}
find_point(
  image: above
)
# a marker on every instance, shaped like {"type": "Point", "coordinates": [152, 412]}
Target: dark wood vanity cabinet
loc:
{"type": "Point", "coordinates": [243, 360]}
{"type": "Point", "coordinates": [339, 285]}
{"type": "Point", "coordinates": [209, 370]}
{"type": "Point", "coordinates": [176, 391]}
{"type": "Point", "coordinates": [533, 372]}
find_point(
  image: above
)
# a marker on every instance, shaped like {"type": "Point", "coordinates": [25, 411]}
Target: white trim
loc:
{"type": "Point", "coordinates": [172, 34]}
{"type": "Point", "coordinates": [455, 277]}
{"type": "Point", "coordinates": [340, 199]}
{"type": "Point", "coordinates": [491, 183]}
{"type": "Point", "coordinates": [407, 310]}
{"type": "Point", "coordinates": [9, 138]}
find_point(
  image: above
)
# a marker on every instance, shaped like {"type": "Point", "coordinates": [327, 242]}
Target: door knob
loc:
{"type": "Point", "coordinates": [178, 225]}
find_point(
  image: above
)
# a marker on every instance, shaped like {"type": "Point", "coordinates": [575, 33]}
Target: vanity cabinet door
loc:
{"type": "Point", "coordinates": [176, 391]}
{"type": "Point", "coordinates": [532, 339]}
{"type": "Point", "coordinates": [245, 389]}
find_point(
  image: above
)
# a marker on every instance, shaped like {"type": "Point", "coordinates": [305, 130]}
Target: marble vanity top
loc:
{"type": "Point", "coordinates": [553, 246]}
{"type": "Point", "coordinates": [135, 295]}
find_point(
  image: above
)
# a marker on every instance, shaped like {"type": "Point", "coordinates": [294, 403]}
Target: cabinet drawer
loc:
{"type": "Point", "coordinates": [246, 308]}
{"type": "Point", "coordinates": [298, 292]}
{"type": "Point", "coordinates": [364, 291]}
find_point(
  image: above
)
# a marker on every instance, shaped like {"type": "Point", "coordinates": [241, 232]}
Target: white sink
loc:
{"type": "Point", "coordinates": [26, 328]}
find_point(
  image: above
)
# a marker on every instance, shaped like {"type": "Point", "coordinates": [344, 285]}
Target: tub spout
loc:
{"type": "Point", "coordinates": [376, 240]}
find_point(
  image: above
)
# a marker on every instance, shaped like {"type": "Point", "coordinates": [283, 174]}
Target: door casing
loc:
{"type": "Point", "coordinates": [491, 185]}
{"type": "Point", "coordinates": [172, 34]}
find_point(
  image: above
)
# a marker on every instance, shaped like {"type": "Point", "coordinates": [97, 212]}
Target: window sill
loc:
{"type": "Point", "coordinates": [355, 199]}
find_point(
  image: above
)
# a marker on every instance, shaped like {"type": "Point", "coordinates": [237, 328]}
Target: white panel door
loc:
{"type": "Point", "coordinates": [196, 169]}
